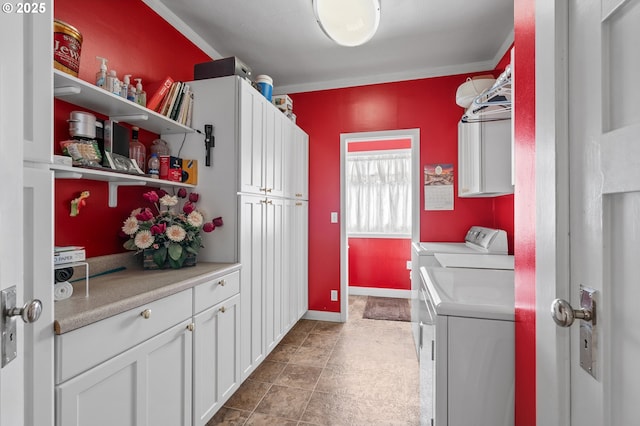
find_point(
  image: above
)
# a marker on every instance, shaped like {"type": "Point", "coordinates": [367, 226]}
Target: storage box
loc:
{"type": "Point", "coordinates": [175, 175]}
{"type": "Point", "coordinates": [168, 162]}
{"type": "Point", "coordinates": [190, 171]}
{"type": "Point", "coordinates": [283, 102]}
{"type": "Point", "coordinates": [221, 68]}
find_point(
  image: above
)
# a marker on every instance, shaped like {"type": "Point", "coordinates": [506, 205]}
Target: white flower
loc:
{"type": "Point", "coordinates": [169, 200]}
{"type": "Point", "coordinates": [136, 212]}
{"type": "Point", "coordinates": [144, 239]}
{"type": "Point", "coordinates": [176, 233]}
{"type": "Point", "coordinates": [195, 219]}
{"type": "Point", "coordinates": [130, 226]}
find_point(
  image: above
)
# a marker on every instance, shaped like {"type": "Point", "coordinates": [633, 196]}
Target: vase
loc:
{"type": "Point", "coordinates": [148, 262]}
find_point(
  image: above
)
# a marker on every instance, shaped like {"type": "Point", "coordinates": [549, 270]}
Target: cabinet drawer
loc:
{"type": "Point", "coordinates": [81, 349]}
{"type": "Point", "coordinates": [214, 292]}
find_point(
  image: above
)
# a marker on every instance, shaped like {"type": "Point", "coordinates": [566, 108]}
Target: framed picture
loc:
{"type": "Point", "coordinates": [122, 164]}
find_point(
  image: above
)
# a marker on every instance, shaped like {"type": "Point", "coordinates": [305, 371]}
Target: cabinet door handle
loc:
{"type": "Point", "coordinates": [223, 310]}
{"type": "Point", "coordinates": [191, 327]}
{"type": "Point", "coordinates": [263, 189]}
{"type": "Point", "coordinates": [146, 314]}
{"type": "Point", "coordinates": [269, 189]}
{"type": "Point", "coordinates": [222, 283]}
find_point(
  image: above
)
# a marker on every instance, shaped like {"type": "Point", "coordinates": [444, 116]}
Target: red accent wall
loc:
{"type": "Point", "coordinates": [379, 263]}
{"type": "Point", "coordinates": [136, 41]}
{"type": "Point", "coordinates": [427, 104]}
{"type": "Point", "coordinates": [525, 207]}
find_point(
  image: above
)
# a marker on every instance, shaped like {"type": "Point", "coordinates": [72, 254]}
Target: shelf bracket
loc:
{"type": "Point", "coordinates": [130, 118]}
{"type": "Point", "coordinates": [66, 91]}
{"type": "Point", "coordinates": [113, 191]}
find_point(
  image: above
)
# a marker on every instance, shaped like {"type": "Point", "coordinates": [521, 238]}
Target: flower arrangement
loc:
{"type": "Point", "coordinates": [171, 235]}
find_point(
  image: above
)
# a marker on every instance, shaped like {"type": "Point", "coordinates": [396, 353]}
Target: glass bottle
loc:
{"type": "Point", "coordinates": [137, 151]}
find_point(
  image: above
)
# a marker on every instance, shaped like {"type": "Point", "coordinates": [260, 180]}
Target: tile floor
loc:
{"type": "Point", "coordinates": [362, 372]}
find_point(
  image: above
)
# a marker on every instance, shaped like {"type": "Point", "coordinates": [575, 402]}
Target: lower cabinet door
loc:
{"type": "Point", "coordinates": [150, 384]}
{"type": "Point", "coordinates": [216, 357]}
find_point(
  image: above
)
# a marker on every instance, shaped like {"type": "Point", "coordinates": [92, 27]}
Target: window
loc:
{"type": "Point", "coordinates": [379, 192]}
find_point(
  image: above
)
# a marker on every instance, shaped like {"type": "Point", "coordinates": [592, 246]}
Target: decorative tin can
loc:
{"type": "Point", "coordinates": [67, 44]}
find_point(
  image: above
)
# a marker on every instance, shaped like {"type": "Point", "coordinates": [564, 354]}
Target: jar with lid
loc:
{"type": "Point", "coordinates": [137, 150]}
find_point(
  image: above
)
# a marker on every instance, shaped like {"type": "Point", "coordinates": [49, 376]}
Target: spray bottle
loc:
{"type": "Point", "coordinates": [141, 95]}
{"type": "Point", "coordinates": [101, 76]}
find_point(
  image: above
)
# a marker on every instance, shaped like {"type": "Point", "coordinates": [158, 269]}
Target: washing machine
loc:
{"type": "Point", "coordinates": [479, 240]}
{"type": "Point", "coordinates": [467, 355]}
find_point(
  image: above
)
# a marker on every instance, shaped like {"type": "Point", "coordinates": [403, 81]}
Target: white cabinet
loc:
{"type": "Point", "coordinates": [216, 368]}
{"type": "Point", "coordinates": [258, 166]}
{"type": "Point", "coordinates": [484, 159]}
{"type": "Point", "coordinates": [134, 368]}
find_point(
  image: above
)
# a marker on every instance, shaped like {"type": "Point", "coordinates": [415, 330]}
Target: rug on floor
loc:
{"type": "Point", "coordinates": [387, 308]}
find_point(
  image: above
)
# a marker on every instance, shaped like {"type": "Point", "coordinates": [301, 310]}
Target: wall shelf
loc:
{"type": "Point", "coordinates": [79, 92]}
{"type": "Point", "coordinates": [114, 179]}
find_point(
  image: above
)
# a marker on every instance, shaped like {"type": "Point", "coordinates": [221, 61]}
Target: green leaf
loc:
{"type": "Point", "coordinates": [175, 251]}
{"type": "Point", "coordinates": [130, 244]}
{"type": "Point", "coordinates": [160, 256]}
{"type": "Point", "coordinates": [192, 249]}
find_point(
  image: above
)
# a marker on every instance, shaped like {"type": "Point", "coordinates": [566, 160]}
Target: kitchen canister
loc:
{"type": "Point", "coordinates": [82, 125]}
{"type": "Point", "coordinates": [67, 45]}
{"type": "Point", "coordinates": [265, 85]}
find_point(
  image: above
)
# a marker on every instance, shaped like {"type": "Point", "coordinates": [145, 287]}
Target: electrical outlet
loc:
{"type": "Point", "coordinates": [334, 217]}
{"type": "Point", "coordinates": [409, 265]}
{"type": "Point", "coordinates": [334, 295]}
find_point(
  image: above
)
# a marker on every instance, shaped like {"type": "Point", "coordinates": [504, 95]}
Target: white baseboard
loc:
{"type": "Point", "coordinates": [379, 292]}
{"type": "Point", "coordinates": [323, 316]}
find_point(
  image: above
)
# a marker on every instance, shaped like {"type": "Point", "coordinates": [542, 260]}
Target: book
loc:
{"type": "Point", "coordinates": [176, 107]}
{"type": "Point", "coordinates": [174, 98]}
{"type": "Point", "coordinates": [68, 254]}
{"type": "Point", "coordinates": [168, 98]}
{"type": "Point", "coordinates": [156, 100]}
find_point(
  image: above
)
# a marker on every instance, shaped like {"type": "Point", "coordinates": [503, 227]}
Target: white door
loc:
{"type": "Point", "coordinates": [604, 207]}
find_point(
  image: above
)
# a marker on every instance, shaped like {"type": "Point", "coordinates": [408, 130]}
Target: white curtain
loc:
{"type": "Point", "coordinates": [379, 192]}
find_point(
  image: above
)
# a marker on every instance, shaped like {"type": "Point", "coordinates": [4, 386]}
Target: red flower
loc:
{"type": "Point", "coordinates": [158, 229]}
{"type": "Point", "coordinates": [188, 207]}
{"type": "Point", "coordinates": [208, 227]}
{"type": "Point", "coordinates": [144, 215]}
{"type": "Point", "coordinates": [217, 221]}
{"type": "Point", "coordinates": [194, 197]}
{"type": "Point", "coordinates": [151, 196]}
{"type": "Point", "coordinates": [161, 193]}
{"type": "Point", "coordinates": [182, 193]}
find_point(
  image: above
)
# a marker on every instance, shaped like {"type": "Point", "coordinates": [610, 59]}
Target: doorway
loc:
{"type": "Point", "coordinates": [373, 138]}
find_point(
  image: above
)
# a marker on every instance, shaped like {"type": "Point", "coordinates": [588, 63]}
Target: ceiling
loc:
{"type": "Point", "coordinates": [280, 38]}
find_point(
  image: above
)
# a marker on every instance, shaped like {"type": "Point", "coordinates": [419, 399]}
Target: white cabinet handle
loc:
{"type": "Point", "coordinates": [191, 327]}
{"type": "Point", "coordinates": [146, 314]}
{"type": "Point", "coordinates": [222, 283]}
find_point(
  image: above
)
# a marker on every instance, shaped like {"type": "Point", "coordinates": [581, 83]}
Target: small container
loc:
{"type": "Point", "coordinates": [137, 150]}
{"type": "Point", "coordinates": [82, 125]}
{"type": "Point", "coordinates": [154, 166]}
{"type": "Point", "coordinates": [67, 45]}
{"type": "Point", "coordinates": [265, 85]}
{"type": "Point", "coordinates": [141, 95]}
{"type": "Point", "coordinates": [101, 75]}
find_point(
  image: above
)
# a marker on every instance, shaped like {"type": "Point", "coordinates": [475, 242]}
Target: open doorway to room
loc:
{"type": "Point", "coordinates": [379, 201]}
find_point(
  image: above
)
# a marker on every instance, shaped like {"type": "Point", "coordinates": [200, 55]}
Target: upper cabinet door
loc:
{"type": "Point", "coordinates": [37, 39]}
{"type": "Point", "coordinates": [252, 135]}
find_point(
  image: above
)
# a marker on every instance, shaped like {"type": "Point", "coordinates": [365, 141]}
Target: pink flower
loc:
{"type": "Point", "coordinates": [182, 193]}
{"type": "Point", "coordinates": [151, 196]}
{"type": "Point", "coordinates": [194, 197]}
{"type": "Point", "coordinates": [188, 207]}
{"type": "Point", "coordinates": [217, 221]}
{"type": "Point", "coordinates": [158, 229]}
{"type": "Point", "coordinates": [208, 227]}
{"type": "Point", "coordinates": [144, 215]}
{"type": "Point", "coordinates": [161, 193]}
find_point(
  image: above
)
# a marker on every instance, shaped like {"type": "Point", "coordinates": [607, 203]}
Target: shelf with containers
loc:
{"type": "Point", "coordinates": [83, 94]}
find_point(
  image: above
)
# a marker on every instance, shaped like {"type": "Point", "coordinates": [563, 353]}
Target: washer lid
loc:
{"type": "Point", "coordinates": [429, 249]}
{"type": "Point", "coordinates": [472, 293]}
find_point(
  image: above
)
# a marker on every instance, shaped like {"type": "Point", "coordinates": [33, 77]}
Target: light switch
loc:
{"type": "Point", "coordinates": [334, 217]}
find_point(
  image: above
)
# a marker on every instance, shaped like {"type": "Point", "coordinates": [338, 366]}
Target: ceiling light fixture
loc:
{"type": "Point", "coordinates": [348, 22]}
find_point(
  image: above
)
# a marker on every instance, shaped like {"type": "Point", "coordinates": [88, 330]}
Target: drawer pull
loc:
{"type": "Point", "coordinates": [146, 314]}
{"type": "Point", "coordinates": [223, 310]}
{"type": "Point", "coordinates": [222, 283]}
{"type": "Point", "coordinates": [191, 327]}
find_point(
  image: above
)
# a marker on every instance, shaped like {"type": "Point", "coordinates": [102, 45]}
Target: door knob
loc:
{"type": "Point", "coordinates": [30, 312]}
{"type": "Point", "coordinates": [564, 315]}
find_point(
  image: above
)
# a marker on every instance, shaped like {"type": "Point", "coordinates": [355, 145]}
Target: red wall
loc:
{"type": "Point", "coordinates": [525, 207]}
{"type": "Point", "coordinates": [427, 104]}
{"type": "Point", "coordinates": [136, 41]}
{"type": "Point", "coordinates": [379, 263]}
